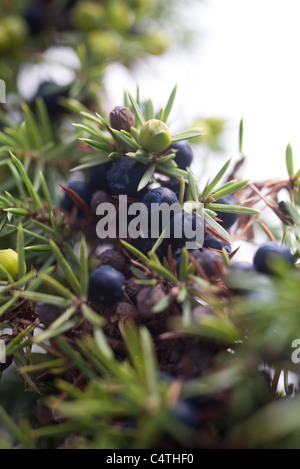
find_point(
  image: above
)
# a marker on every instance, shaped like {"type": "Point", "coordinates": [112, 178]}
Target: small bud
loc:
{"type": "Point", "coordinates": [155, 136]}
{"type": "Point", "coordinates": [121, 118]}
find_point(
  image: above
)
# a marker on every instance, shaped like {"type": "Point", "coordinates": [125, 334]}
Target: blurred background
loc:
{"type": "Point", "coordinates": [242, 64]}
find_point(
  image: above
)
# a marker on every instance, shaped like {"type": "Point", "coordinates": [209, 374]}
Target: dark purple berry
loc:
{"type": "Point", "coordinates": [227, 219]}
{"type": "Point", "coordinates": [210, 261]}
{"type": "Point", "coordinates": [159, 195]}
{"type": "Point", "coordinates": [100, 197]}
{"type": "Point", "coordinates": [184, 154]}
{"type": "Point", "coordinates": [187, 224]}
{"type": "Point", "coordinates": [212, 242]}
{"type": "Point", "coordinates": [177, 256]}
{"type": "Point", "coordinates": [97, 176]}
{"type": "Point", "coordinates": [124, 177]}
{"type": "Point", "coordinates": [269, 253]}
{"type": "Point", "coordinates": [82, 189]}
{"type": "Point", "coordinates": [146, 244]}
{"type": "Point", "coordinates": [51, 93]}
{"type": "Point", "coordinates": [174, 185]}
{"type": "Point", "coordinates": [106, 286]}
{"type": "Point", "coordinates": [153, 201]}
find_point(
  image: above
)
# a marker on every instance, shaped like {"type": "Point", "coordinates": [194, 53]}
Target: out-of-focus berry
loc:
{"type": "Point", "coordinates": [106, 286]}
{"type": "Point", "coordinates": [212, 242]}
{"type": "Point", "coordinates": [102, 45]}
{"type": "Point", "coordinates": [87, 16]}
{"type": "Point", "coordinates": [269, 253]}
{"type": "Point", "coordinates": [184, 154]}
{"type": "Point", "coordinates": [227, 219]}
{"type": "Point", "coordinates": [83, 190]}
{"type": "Point", "coordinates": [146, 299]}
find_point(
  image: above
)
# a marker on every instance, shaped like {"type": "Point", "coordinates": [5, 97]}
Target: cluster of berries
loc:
{"type": "Point", "coordinates": [112, 288]}
{"type": "Point", "coordinates": [122, 177]}
{"type": "Point", "coordinates": [102, 26]}
{"type": "Point", "coordinates": [109, 282]}
{"type": "Point", "coordinates": [33, 18]}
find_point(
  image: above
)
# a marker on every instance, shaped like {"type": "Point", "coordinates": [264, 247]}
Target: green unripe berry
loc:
{"type": "Point", "coordinates": [217, 124]}
{"type": "Point", "coordinates": [119, 15]}
{"type": "Point", "coordinates": [155, 136]}
{"type": "Point", "coordinates": [13, 32]}
{"type": "Point", "coordinates": [9, 260]}
{"type": "Point", "coordinates": [156, 43]}
{"type": "Point", "coordinates": [16, 29]}
{"type": "Point", "coordinates": [87, 16]}
{"type": "Point", "coordinates": [102, 45]}
{"type": "Point", "coordinates": [144, 8]}
{"type": "Point", "coordinates": [4, 39]}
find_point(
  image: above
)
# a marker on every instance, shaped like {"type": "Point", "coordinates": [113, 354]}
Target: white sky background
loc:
{"type": "Point", "coordinates": [245, 63]}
